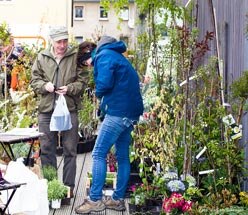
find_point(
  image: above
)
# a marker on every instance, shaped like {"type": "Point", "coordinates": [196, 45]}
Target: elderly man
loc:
{"type": "Point", "coordinates": [55, 72]}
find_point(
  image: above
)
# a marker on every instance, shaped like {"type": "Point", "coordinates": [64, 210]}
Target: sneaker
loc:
{"type": "Point", "coordinates": [89, 206]}
{"type": "Point", "coordinates": [118, 205]}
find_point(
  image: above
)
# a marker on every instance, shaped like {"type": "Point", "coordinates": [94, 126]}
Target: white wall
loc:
{"type": "Point", "coordinates": [33, 17]}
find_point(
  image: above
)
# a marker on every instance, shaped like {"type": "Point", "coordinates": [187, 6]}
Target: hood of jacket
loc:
{"type": "Point", "coordinates": [105, 40]}
{"type": "Point", "coordinates": [118, 46]}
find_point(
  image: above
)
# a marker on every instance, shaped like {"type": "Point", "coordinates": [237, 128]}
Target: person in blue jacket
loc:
{"type": "Point", "coordinates": [117, 86]}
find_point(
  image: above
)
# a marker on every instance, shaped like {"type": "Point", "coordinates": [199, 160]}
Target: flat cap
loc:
{"type": "Point", "coordinates": [58, 33]}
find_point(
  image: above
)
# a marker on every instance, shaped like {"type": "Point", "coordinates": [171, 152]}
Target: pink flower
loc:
{"type": "Point", "coordinates": [187, 206]}
{"type": "Point", "coordinates": [111, 168]}
{"type": "Point", "coordinates": [176, 201]}
{"type": "Point", "coordinates": [133, 188]}
{"type": "Point", "coordinates": [167, 205]}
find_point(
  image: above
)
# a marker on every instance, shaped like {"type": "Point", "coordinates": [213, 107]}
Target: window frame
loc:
{"type": "Point", "coordinates": [75, 12]}
{"type": "Point", "coordinates": [101, 13]}
{"type": "Point", "coordinates": [123, 15]}
{"type": "Point", "coordinates": [79, 39]}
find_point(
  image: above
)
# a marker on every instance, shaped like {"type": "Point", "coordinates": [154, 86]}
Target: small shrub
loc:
{"type": "Point", "coordinates": [49, 172]}
{"type": "Point", "coordinates": [56, 190]}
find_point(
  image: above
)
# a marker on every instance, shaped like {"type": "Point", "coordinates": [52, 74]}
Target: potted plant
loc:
{"type": "Point", "coordinates": [110, 182]}
{"type": "Point", "coordinates": [87, 122]}
{"type": "Point", "coordinates": [49, 172]}
{"type": "Point", "coordinates": [56, 191]}
{"type": "Point", "coordinates": [138, 199]}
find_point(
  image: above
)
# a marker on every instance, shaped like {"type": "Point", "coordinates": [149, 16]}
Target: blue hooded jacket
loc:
{"type": "Point", "coordinates": [117, 83]}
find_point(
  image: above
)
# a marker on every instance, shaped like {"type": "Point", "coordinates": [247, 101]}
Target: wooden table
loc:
{"type": "Point", "coordinates": [18, 135]}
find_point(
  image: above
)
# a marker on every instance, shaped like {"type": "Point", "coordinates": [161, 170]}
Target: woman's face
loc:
{"type": "Point", "coordinates": [88, 62]}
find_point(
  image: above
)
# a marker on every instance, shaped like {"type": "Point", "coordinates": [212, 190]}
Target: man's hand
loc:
{"type": "Point", "coordinates": [49, 87]}
{"type": "Point", "coordinates": [62, 90]}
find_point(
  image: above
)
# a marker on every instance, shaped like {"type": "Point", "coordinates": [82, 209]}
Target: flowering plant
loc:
{"type": "Point", "coordinates": [141, 193]}
{"type": "Point", "coordinates": [176, 185]}
{"type": "Point", "coordinates": [180, 193]}
{"type": "Point", "coordinates": [176, 204]}
{"type": "Point", "coordinates": [244, 198]}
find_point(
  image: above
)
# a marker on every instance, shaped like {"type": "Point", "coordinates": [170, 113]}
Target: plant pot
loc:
{"type": "Point", "coordinates": [154, 210]}
{"type": "Point", "coordinates": [136, 209]}
{"type": "Point", "coordinates": [86, 145]}
{"type": "Point", "coordinates": [55, 204]}
{"type": "Point", "coordinates": [134, 166]}
{"type": "Point", "coordinates": [154, 202]}
{"type": "Point", "coordinates": [135, 179]}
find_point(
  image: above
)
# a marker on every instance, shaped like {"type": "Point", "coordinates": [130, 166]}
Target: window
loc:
{"type": "Point", "coordinates": [124, 13]}
{"type": "Point", "coordinates": [103, 13]}
{"type": "Point", "coordinates": [79, 39]}
{"type": "Point", "coordinates": [79, 12]}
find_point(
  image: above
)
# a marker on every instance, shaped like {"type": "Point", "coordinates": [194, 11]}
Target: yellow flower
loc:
{"type": "Point", "coordinates": [244, 198]}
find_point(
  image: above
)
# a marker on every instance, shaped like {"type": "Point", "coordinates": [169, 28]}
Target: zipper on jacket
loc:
{"type": "Point", "coordinates": [56, 82]}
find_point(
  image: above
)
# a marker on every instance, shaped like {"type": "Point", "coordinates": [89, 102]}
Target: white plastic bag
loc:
{"type": "Point", "coordinates": [29, 199]}
{"type": "Point", "coordinates": [61, 118]}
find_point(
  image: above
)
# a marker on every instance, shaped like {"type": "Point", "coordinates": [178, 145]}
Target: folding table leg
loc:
{"type": "Point", "coordinates": [9, 200]}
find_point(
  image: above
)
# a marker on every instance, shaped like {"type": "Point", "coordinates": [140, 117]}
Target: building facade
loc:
{"type": "Point", "coordinates": [90, 20]}
{"type": "Point", "coordinates": [85, 19]}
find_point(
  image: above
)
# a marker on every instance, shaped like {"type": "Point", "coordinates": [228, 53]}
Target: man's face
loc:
{"type": "Point", "coordinates": [60, 46]}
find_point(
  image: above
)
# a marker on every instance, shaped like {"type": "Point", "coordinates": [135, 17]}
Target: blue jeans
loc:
{"type": "Point", "coordinates": [114, 131]}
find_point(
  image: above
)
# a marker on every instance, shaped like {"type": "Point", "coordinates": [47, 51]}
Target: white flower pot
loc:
{"type": "Point", "coordinates": [56, 203]}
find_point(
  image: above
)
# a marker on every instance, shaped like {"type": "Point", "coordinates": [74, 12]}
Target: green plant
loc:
{"type": "Point", "coordinates": [139, 195]}
{"type": "Point", "coordinates": [239, 93]}
{"type": "Point", "coordinates": [56, 190]}
{"type": "Point", "coordinates": [49, 172]}
{"type": "Point", "coordinates": [108, 175]}
{"type": "Point", "coordinates": [87, 118]}
{"type": "Point", "coordinates": [4, 34]}
{"type": "Point", "coordinates": [21, 101]}
{"type": "Point", "coordinates": [110, 178]}
{"type": "Point", "coordinates": [21, 149]}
